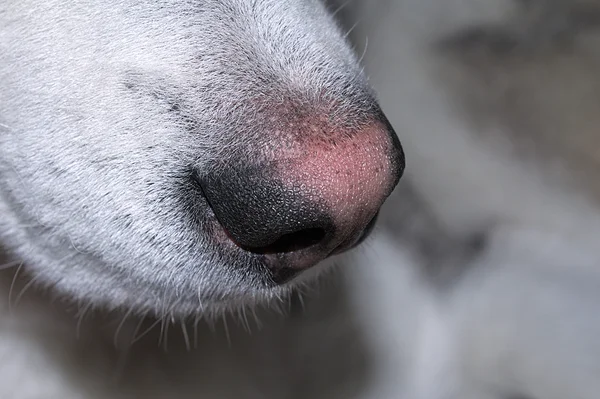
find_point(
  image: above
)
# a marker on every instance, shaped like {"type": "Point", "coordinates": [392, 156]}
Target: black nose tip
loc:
{"type": "Point", "coordinates": [262, 215]}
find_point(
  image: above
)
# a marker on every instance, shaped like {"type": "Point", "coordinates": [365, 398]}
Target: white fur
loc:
{"type": "Point", "coordinates": [516, 319]}
{"type": "Point", "coordinates": [106, 113]}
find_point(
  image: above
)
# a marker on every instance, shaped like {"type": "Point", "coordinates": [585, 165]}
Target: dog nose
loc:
{"type": "Point", "coordinates": [308, 202]}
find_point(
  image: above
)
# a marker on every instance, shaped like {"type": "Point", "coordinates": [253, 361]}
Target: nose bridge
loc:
{"type": "Point", "coordinates": [318, 102]}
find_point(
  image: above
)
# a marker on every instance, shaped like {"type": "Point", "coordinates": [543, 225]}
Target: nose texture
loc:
{"type": "Point", "coordinates": [310, 199]}
{"type": "Point", "coordinates": [262, 215]}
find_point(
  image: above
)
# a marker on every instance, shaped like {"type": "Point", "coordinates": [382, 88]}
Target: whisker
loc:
{"type": "Point", "coordinates": [362, 56]}
{"type": "Point", "coordinates": [244, 318]}
{"type": "Point", "coordinates": [166, 339]}
{"type": "Point", "coordinates": [351, 29]}
{"type": "Point", "coordinates": [10, 265]}
{"type": "Point", "coordinates": [25, 288]}
{"type": "Point", "coordinates": [300, 297]}
{"type": "Point", "coordinates": [163, 318]}
{"type": "Point", "coordinates": [186, 338]}
{"type": "Point", "coordinates": [118, 330]}
{"type": "Point", "coordinates": [146, 331]}
{"type": "Point", "coordinates": [80, 317]}
{"type": "Point", "coordinates": [340, 8]}
{"type": "Point", "coordinates": [162, 330]}
{"type": "Point", "coordinates": [12, 286]}
{"type": "Point", "coordinates": [197, 319]}
{"type": "Point", "coordinates": [226, 330]}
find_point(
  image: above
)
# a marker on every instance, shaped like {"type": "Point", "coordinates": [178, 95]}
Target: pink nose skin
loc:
{"type": "Point", "coordinates": [352, 177]}
{"type": "Point", "coordinates": [315, 194]}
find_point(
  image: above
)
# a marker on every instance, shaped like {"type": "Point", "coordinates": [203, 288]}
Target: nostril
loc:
{"type": "Point", "coordinates": [291, 242]}
{"type": "Point", "coordinates": [262, 215]}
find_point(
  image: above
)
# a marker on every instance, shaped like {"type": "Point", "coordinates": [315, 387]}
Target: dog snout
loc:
{"type": "Point", "coordinates": [311, 199]}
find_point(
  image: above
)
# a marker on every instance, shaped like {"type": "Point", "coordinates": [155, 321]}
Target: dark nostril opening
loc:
{"type": "Point", "coordinates": [291, 242]}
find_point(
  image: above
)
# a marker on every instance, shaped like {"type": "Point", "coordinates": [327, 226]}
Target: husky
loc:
{"type": "Point", "coordinates": [164, 164]}
{"type": "Point", "coordinates": [485, 281]}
